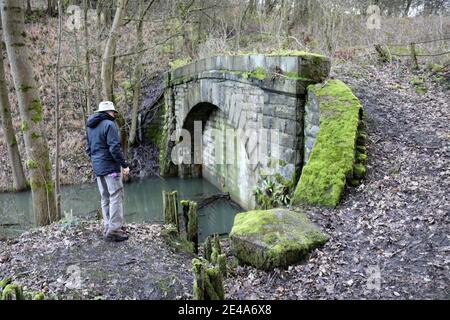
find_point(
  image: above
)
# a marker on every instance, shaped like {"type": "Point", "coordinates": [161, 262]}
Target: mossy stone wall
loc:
{"type": "Point", "coordinates": [334, 158]}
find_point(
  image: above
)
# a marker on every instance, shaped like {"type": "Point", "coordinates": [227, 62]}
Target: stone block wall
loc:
{"type": "Point", "coordinates": [264, 108]}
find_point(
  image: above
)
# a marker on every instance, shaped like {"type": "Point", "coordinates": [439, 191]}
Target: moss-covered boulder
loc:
{"type": "Point", "coordinates": [334, 154]}
{"type": "Point", "coordinates": [273, 238]}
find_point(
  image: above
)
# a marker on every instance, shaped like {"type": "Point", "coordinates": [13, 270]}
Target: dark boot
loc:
{"type": "Point", "coordinates": [116, 236]}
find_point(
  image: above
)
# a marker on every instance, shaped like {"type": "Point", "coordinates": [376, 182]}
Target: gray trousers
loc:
{"type": "Point", "coordinates": [111, 190]}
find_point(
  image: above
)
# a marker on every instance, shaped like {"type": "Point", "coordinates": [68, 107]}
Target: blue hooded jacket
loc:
{"type": "Point", "coordinates": [103, 145]}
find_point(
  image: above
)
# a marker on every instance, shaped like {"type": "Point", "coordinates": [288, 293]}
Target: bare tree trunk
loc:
{"type": "Point", "coordinates": [51, 7]}
{"type": "Point", "coordinates": [30, 106]}
{"type": "Point", "coordinates": [87, 74]}
{"type": "Point", "coordinates": [138, 70]}
{"type": "Point", "coordinates": [107, 74]}
{"type": "Point", "coordinates": [98, 71]}
{"type": "Point", "coordinates": [57, 125]}
{"type": "Point", "coordinates": [19, 180]}
{"type": "Point", "coordinates": [110, 50]}
{"type": "Point", "coordinates": [183, 11]}
{"type": "Point", "coordinates": [29, 10]}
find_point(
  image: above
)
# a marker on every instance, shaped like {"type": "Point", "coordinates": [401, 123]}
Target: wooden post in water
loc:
{"type": "Point", "coordinates": [192, 225]}
{"type": "Point", "coordinates": [170, 208]}
{"type": "Point", "coordinates": [208, 249]}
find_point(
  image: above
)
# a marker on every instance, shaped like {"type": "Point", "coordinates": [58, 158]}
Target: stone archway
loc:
{"type": "Point", "coordinates": [218, 151]}
{"type": "Point", "coordinates": [262, 96]}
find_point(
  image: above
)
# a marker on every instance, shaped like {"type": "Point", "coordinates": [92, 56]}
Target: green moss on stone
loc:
{"type": "Point", "coordinates": [331, 161]}
{"type": "Point", "coordinates": [295, 76]}
{"type": "Point", "coordinates": [361, 149]}
{"type": "Point", "coordinates": [259, 73]}
{"type": "Point", "coordinates": [354, 182]}
{"type": "Point", "coordinates": [296, 53]}
{"type": "Point", "coordinates": [359, 171]}
{"type": "Point", "coordinates": [361, 157]}
{"type": "Point", "coordinates": [179, 63]}
{"type": "Point", "coordinates": [273, 238]}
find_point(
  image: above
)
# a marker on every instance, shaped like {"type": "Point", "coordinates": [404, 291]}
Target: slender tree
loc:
{"type": "Point", "coordinates": [137, 75]}
{"type": "Point", "coordinates": [57, 109]}
{"type": "Point", "coordinates": [110, 51]}
{"type": "Point", "coordinates": [87, 59]}
{"type": "Point", "coordinates": [19, 180]}
{"type": "Point", "coordinates": [31, 112]}
{"type": "Point", "coordinates": [107, 71]}
{"type": "Point", "coordinates": [51, 6]}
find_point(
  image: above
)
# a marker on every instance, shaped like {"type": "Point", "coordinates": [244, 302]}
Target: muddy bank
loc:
{"type": "Point", "coordinates": [70, 260]}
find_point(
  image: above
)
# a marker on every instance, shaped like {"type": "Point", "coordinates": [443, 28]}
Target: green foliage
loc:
{"type": "Point", "coordinates": [419, 84]}
{"type": "Point", "coordinates": [359, 171]}
{"type": "Point", "coordinates": [154, 134]}
{"type": "Point", "coordinates": [324, 177]}
{"type": "Point", "coordinates": [272, 191]}
{"type": "Point", "coordinates": [436, 68]}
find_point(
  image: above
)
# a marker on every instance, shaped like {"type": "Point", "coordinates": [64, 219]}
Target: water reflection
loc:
{"type": "Point", "coordinates": [143, 203]}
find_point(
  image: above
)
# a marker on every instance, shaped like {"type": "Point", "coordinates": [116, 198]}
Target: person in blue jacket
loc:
{"type": "Point", "coordinates": [104, 150]}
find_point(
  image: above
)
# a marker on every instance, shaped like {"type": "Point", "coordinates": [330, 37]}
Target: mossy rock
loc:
{"type": "Point", "coordinates": [273, 238]}
{"type": "Point", "coordinates": [331, 161]}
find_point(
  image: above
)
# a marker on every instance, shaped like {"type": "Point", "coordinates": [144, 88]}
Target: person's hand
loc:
{"type": "Point", "coordinates": [126, 171]}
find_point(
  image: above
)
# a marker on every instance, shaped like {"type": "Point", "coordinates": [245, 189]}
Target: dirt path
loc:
{"type": "Point", "coordinates": [389, 238]}
{"type": "Point", "coordinates": [75, 263]}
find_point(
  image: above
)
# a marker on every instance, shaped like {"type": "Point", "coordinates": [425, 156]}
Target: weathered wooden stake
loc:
{"type": "Point", "coordinates": [199, 287]}
{"type": "Point", "coordinates": [208, 282]}
{"type": "Point", "coordinates": [222, 264]}
{"type": "Point", "coordinates": [208, 249]}
{"type": "Point", "coordinates": [192, 228]}
{"type": "Point", "coordinates": [170, 208]}
{"type": "Point", "coordinates": [217, 243]}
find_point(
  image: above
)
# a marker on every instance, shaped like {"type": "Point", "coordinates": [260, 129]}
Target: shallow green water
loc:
{"type": "Point", "coordinates": [143, 203]}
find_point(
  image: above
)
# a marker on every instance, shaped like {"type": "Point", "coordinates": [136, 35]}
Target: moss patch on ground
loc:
{"type": "Point", "coordinates": [332, 158]}
{"type": "Point", "coordinates": [274, 238]}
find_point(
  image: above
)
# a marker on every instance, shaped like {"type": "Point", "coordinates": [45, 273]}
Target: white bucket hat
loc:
{"type": "Point", "coordinates": [106, 106]}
